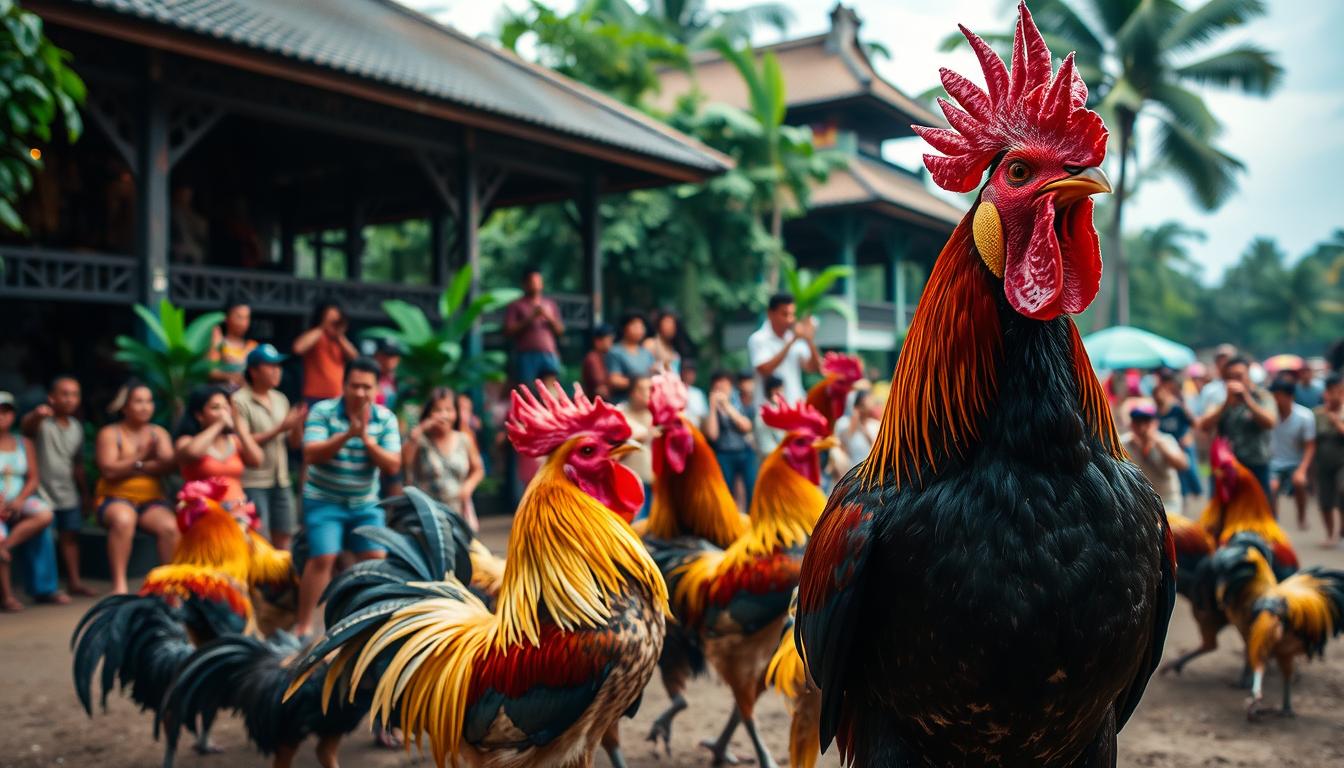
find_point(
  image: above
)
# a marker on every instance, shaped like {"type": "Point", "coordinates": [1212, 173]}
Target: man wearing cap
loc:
{"type": "Point", "coordinates": [1245, 417]}
{"type": "Point", "coordinates": [1158, 454]}
{"type": "Point", "coordinates": [264, 412]}
{"type": "Point", "coordinates": [1214, 392]}
{"type": "Point", "coordinates": [1292, 446]}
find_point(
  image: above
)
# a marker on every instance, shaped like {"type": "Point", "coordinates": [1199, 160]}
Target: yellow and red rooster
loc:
{"type": "Point", "coordinates": [578, 627]}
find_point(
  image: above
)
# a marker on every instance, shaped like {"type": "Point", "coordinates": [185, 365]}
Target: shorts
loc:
{"type": "Point", "coordinates": [31, 506]}
{"type": "Point", "coordinates": [69, 519]}
{"type": "Point", "coordinates": [330, 526]}
{"type": "Point", "coordinates": [275, 508]}
{"type": "Point", "coordinates": [140, 509]}
{"type": "Point", "coordinates": [1328, 486]}
{"type": "Point", "coordinates": [1284, 476]}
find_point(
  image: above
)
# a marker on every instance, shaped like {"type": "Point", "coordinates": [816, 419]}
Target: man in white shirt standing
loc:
{"type": "Point", "coordinates": [784, 346]}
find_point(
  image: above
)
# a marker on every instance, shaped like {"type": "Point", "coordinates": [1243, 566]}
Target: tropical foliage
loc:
{"type": "Point", "coordinates": [811, 291]}
{"type": "Point", "coordinates": [1143, 59]}
{"type": "Point", "coordinates": [176, 359]}
{"type": "Point", "coordinates": [710, 250]}
{"type": "Point", "coordinates": [1265, 302]}
{"type": "Point", "coordinates": [38, 89]}
{"type": "Point", "coordinates": [436, 355]}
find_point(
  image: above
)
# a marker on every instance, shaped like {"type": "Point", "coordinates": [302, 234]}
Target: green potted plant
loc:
{"type": "Point", "coordinates": [176, 360]}
{"type": "Point", "coordinates": [810, 290]}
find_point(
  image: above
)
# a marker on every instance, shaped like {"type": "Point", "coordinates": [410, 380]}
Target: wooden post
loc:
{"type": "Point", "coordinates": [850, 234]}
{"type": "Point", "coordinates": [896, 250]}
{"type": "Point", "coordinates": [468, 226]}
{"type": "Point", "coordinates": [152, 205]}
{"type": "Point", "coordinates": [590, 222]}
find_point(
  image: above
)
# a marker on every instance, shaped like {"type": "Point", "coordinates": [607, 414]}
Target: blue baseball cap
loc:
{"type": "Point", "coordinates": [265, 354]}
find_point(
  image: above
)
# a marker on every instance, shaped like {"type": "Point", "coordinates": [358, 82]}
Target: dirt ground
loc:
{"type": "Point", "coordinates": [1194, 720]}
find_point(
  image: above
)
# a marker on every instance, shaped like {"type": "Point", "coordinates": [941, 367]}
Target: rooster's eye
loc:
{"type": "Point", "coordinates": [588, 450]}
{"type": "Point", "coordinates": [1018, 172]}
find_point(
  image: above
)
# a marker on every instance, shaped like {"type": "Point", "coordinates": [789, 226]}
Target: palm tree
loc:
{"type": "Point", "coordinates": [780, 160]}
{"type": "Point", "coordinates": [1141, 59]}
{"type": "Point", "coordinates": [693, 25]}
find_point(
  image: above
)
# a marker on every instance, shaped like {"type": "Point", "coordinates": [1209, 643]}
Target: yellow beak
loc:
{"type": "Point", "coordinates": [1089, 181]}
{"type": "Point", "coordinates": [624, 449]}
{"type": "Point", "coordinates": [825, 443]}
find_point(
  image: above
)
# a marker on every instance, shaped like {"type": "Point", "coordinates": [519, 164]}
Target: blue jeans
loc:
{"type": "Point", "coordinates": [737, 464]}
{"type": "Point", "coordinates": [529, 365]}
{"type": "Point", "coordinates": [38, 564]}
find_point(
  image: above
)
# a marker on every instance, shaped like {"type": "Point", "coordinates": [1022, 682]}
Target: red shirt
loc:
{"type": "Point", "coordinates": [323, 369]}
{"type": "Point", "coordinates": [537, 334]}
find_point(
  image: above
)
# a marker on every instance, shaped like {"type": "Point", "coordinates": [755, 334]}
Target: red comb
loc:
{"type": "Point", "coordinates": [1022, 106]}
{"type": "Point", "coordinates": [1220, 453]}
{"type": "Point", "coordinates": [847, 368]}
{"type": "Point", "coordinates": [538, 426]}
{"type": "Point", "coordinates": [667, 398]}
{"type": "Point", "coordinates": [797, 417]}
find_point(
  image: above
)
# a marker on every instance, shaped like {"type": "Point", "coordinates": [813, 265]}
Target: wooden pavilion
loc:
{"type": "Point", "coordinates": [246, 147]}
{"type": "Point", "coordinates": [875, 216]}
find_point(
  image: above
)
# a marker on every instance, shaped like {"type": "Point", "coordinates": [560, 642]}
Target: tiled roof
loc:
{"type": "Point", "coordinates": [383, 42]}
{"type": "Point", "coordinates": [867, 181]}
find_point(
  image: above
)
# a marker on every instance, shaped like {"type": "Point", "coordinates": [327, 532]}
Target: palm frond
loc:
{"type": "Point", "coordinates": [1247, 67]}
{"type": "Point", "coordinates": [1206, 22]}
{"type": "Point", "coordinates": [1187, 108]}
{"type": "Point", "coordinates": [1207, 172]}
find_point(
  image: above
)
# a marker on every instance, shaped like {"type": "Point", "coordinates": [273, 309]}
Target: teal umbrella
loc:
{"type": "Point", "coordinates": [1125, 346]}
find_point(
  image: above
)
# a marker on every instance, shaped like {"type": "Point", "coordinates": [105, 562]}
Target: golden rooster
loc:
{"type": "Point", "coordinates": [1279, 619]}
{"type": "Point", "coordinates": [737, 599]}
{"type": "Point", "coordinates": [578, 627]}
{"type": "Point", "coordinates": [143, 639]}
{"type": "Point", "coordinates": [1239, 504]}
{"type": "Point", "coordinates": [692, 511]}
{"type": "Point", "coordinates": [787, 674]}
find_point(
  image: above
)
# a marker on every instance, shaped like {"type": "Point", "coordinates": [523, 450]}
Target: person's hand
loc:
{"type": "Point", "coordinates": [228, 418]}
{"type": "Point", "coordinates": [1236, 390]}
{"type": "Point", "coordinates": [1300, 478]}
{"type": "Point", "coordinates": [359, 426]}
{"type": "Point", "coordinates": [44, 411]}
{"type": "Point", "coordinates": [805, 329]}
{"type": "Point", "coordinates": [294, 418]}
{"type": "Point", "coordinates": [464, 498]}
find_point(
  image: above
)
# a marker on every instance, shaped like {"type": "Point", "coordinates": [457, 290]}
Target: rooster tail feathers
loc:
{"type": "Point", "coordinates": [139, 640]}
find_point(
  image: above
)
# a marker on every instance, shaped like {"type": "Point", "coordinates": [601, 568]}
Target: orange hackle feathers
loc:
{"type": "Point", "coordinates": [1190, 537]}
{"type": "Point", "coordinates": [829, 396]}
{"type": "Point", "coordinates": [1247, 510]}
{"type": "Point", "coordinates": [946, 376]}
{"type": "Point", "coordinates": [695, 501]}
{"type": "Point", "coordinates": [175, 583]}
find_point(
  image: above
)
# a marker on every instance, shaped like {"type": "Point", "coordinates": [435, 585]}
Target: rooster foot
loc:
{"type": "Point", "coordinates": [206, 747]}
{"type": "Point", "coordinates": [724, 756]}
{"type": "Point", "coordinates": [661, 731]}
{"type": "Point", "coordinates": [1254, 711]}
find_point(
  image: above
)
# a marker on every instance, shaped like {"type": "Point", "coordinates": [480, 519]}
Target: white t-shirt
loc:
{"type": "Point", "coordinates": [697, 405]}
{"type": "Point", "coordinates": [764, 344]}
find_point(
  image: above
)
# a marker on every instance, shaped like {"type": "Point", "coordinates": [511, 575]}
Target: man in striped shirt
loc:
{"type": "Point", "coordinates": [347, 442]}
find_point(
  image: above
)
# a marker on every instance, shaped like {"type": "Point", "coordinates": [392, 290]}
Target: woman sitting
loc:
{"type": "Point", "coordinates": [208, 446]}
{"type": "Point", "coordinates": [23, 514]}
{"type": "Point", "coordinates": [442, 460]}
{"type": "Point", "coordinates": [132, 454]}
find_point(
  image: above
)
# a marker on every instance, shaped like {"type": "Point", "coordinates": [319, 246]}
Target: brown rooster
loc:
{"type": "Point", "coordinates": [992, 585]}
{"type": "Point", "coordinates": [737, 599]}
{"type": "Point", "coordinates": [830, 396]}
{"type": "Point", "coordinates": [692, 511]}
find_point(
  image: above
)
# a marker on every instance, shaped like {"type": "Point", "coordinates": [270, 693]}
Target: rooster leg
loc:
{"type": "Point", "coordinates": [763, 757]}
{"type": "Point", "coordinates": [203, 745]}
{"type": "Point", "coordinates": [1178, 664]}
{"type": "Point", "coordinates": [662, 726]}
{"type": "Point", "coordinates": [328, 749]}
{"type": "Point", "coordinates": [611, 744]}
{"type": "Point", "coordinates": [719, 747]}
{"type": "Point", "coordinates": [284, 755]}
{"type": "Point", "coordinates": [1286, 666]}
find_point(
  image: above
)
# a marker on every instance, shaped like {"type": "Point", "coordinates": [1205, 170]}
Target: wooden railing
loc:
{"type": "Point", "coordinates": [42, 273]}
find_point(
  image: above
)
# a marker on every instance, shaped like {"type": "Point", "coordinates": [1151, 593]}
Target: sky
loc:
{"type": "Point", "coordinates": [1291, 143]}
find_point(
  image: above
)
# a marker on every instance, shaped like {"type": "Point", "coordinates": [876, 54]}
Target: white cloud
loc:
{"type": "Point", "coordinates": [1292, 144]}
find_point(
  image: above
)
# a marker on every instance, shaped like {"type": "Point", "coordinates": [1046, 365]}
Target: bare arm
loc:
{"type": "Point", "coordinates": [410, 450]}
{"type": "Point", "coordinates": [387, 462]}
{"type": "Point", "coordinates": [307, 340]}
{"type": "Point", "coordinates": [1262, 415]}
{"type": "Point", "coordinates": [347, 347]}
{"type": "Point", "coordinates": [1176, 458]}
{"type": "Point", "coordinates": [322, 451]}
{"type": "Point", "coordinates": [712, 422]}
{"type": "Point", "coordinates": [31, 480]}
{"type": "Point", "coordinates": [476, 473]}
{"type": "Point", "coordinates": [194, 447]}
{"type": "Point", "coordinates": [740, 423]}
{"type": "Point", "coordinates": [105, 456]}
{"type": "Point", "coordinates": [552, 319]}
{"type": "Point", "coordinates": [248, 448]}
{"type": "Point", "coordinates": [29, 423]}
{"type": "Point", "coordinates": [515, 322]}
{"type": "Point", "coordinates": [1308, 456]}
{"type": "Point", "coordinates": [161, 461]}
{"type": "Point", "coordinates": [768, 367]}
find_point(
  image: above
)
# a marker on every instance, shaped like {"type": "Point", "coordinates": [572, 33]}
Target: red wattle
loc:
{"type": "Point", "coordinates": [627, 491]}
{"type": "Point", "coordinates": [1082, 258]}
{"type": "Point", "coordinates": [1034, 277]}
